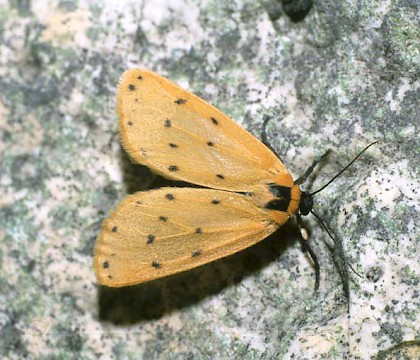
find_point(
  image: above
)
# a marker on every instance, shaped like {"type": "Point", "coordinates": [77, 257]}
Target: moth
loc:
{"type": "Point", "coordinates": [246, 192]}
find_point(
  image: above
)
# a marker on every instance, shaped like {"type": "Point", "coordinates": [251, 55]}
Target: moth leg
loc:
{"type": "Point", "coordinates": [264, 136]}
{"type": "Point", "coordinates": [304, 239]}
{"type": "Point", "coordinates": [311, 168]}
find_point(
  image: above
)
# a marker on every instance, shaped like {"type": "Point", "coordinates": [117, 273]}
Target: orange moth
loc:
{"type": "Point", "coordinates": [246, 193]}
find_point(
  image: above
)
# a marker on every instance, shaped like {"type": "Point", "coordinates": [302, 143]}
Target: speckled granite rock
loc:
{"type": "Point", "coordinates": [348, 74]}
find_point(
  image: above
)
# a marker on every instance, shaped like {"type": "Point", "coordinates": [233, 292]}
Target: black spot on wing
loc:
{"type": "Point", "coordinates": [173, 146]}
{"type": "Point", "coordinates": [170, 196]}
{"type": "Point", "coordinates": [114, 229]}
{"type": "Point", "coordinates": [168, 123]}
{"type": "Point", "coordinates": [279, 204]}
{"type": "Point", "coordinates": [196, 253]}
{"type": "Point", "coordinates": [143, 152]}
{"type": "Point", "coordinates": [155, 264]}
{"type": "Point", "coordinates": [215, 201]}
{"type": "Point", "coordinates": [220, 176]}
{"type": "Point", "coordinates": [105, 264]}
{"type": "Point", "coordinates": [198, 231]}
{"type": "Point", "coordinates": [214, 121]}
{"type": "Point", "coordinates": [173, 168]}
{"type": "Point", "coordinates": [180, 101]}
{"type": "Point", "coordinates": [209, 143]}
{"type": "Point", "coordinates": [280, 191]}
{"type": "Point", "coordinates": [131, 87]}
{"type": "Point", "coordinates": [163, 218]}
{"type": "Point", "coordinates": [282, 197]}
{"type": "Point", "coordinates": [150, 238]}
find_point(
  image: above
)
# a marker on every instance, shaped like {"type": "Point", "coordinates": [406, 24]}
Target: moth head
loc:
{"type": "Point", "coordinates": [306, 203]}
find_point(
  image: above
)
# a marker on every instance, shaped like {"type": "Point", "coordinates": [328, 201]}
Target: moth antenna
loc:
{"type": "Point", "coordinates": [341, 171]}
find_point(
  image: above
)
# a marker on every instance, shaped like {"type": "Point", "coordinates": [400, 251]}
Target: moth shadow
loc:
{"type": "Point", "coordinates": [155, 299]}
{"type": "Point", "coordinates": [136, 177]}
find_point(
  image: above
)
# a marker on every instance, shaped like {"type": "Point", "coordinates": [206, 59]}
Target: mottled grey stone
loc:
{"type": "Point", "coordinates": [344, 76]}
